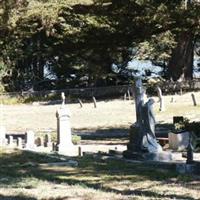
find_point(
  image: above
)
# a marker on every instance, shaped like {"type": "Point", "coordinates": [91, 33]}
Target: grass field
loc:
{"type": "Point", "coordinates": [111, 114]}
{"type": "Point", "coordinates": [25, 175]}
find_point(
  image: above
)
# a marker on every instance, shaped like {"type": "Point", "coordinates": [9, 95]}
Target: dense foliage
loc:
{"type": "Point", "coordinates": [80, 40]}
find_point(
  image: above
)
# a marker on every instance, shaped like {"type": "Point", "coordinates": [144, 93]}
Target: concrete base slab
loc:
{"type": "Point", "coordinates": [161, 156]}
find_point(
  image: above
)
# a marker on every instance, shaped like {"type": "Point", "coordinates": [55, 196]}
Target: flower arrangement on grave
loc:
{"type": "Point", "coordinates": [181, 126]}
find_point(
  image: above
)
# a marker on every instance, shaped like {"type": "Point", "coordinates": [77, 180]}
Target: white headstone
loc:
{"type": "Point", "coordinates": [30, 140]}
{"type": "Point", "coordinates": [10, 141]}
{"type": "Point", "coordinates": [64, 135]}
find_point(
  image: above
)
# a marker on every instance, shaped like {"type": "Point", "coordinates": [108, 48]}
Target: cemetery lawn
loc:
{"type": "Point", "coordinates": [109, 115]}
{"type": "Point", "coordinates": [26, 175]}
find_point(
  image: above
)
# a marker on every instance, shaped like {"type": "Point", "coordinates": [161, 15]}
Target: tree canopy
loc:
{"type": "Point", "coordinates": [80, 40]}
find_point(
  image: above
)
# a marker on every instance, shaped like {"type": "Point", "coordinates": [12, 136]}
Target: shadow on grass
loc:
{"type": "Point", "coordinates": [162, 129]}
{"type": "Point", "coordinates": [18, 197]}
{"type": "Point", "coordinates": [106, 136]}
{"type": "Point", "coordinates": [93, 173]}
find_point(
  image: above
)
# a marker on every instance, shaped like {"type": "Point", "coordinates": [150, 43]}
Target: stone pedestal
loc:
{"type": "Point", "coordinates": [135, 140]}
{"type": "Point", "coordinates": [30, 140]}
{"type": "Point", "coordinates": [142, 156]}
{"type": "Point", "coordinates": [2, 136]}
{"type": "Point", "coordinates": [64, 135]}
{"type": "Point", "coordinates": [136, 151]}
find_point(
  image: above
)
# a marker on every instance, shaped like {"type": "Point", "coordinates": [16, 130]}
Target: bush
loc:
{"type": "Point", "coordinates": [193, 127]}
{"type": "Point", "coordinates": [76, 139]}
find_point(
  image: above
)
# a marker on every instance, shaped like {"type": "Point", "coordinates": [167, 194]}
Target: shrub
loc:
{"type": "Point", "coordinates": [76, 139]}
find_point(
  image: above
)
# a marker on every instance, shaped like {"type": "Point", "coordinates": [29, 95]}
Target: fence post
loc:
{"type": "Point", "coordinates": [194, 100]}
{"type": "Point", "coordinates": [124, 96]}
{"type": "Point", "coordinates": [80, 102]}
{"type": "Point", "coordinates": [95, 102]}
{"type": "Point", "coordinates": [129, 96]}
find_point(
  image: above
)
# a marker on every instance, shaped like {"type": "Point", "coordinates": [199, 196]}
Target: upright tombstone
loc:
{"type": "Point", "coordinates": [19, 143]}
{"type": "Point", "coordinates": [10, 140]}
{"type": "Point", "coordinates": [39, 141]}
{"type": "Point", "coordinates": [2, 136]}
{"type": "Point", "coordinates": [30, 140]}
{"type": "Point", "coordinates": [47, 140]}
{"type": "Point", "coordinates": [64, 135]}
{"type": "Point", "coordinates": [161, 100]}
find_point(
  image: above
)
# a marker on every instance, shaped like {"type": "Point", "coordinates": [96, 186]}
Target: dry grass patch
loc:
{"type": "Point", "coordinates": [114, 114]}
{"type": "Point", "coordinates": [94, 178]}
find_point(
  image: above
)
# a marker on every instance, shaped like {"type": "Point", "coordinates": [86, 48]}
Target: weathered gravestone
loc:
{"type": "Point", "coordinates": [30, 140]}
{"type": "Point", "coordinates": [39, 141]}
{"type": "Point", "coordinates": [19, 143]}
{"type": "Point", "coordinates": [64, 135]}
{"type": "Point", "coordinates": [142, 142]}
{"type": "Point", "coordinates": [47, 140]}
{"type": "Point", "coordinates": [10, 141]}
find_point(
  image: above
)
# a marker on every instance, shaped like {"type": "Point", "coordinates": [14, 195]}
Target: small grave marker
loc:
{"type": "Point", "coordinates": [194, 99]}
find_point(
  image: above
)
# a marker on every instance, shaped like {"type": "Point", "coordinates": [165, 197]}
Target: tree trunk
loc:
{"type": "Point", "coordinates": [181, 62]}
